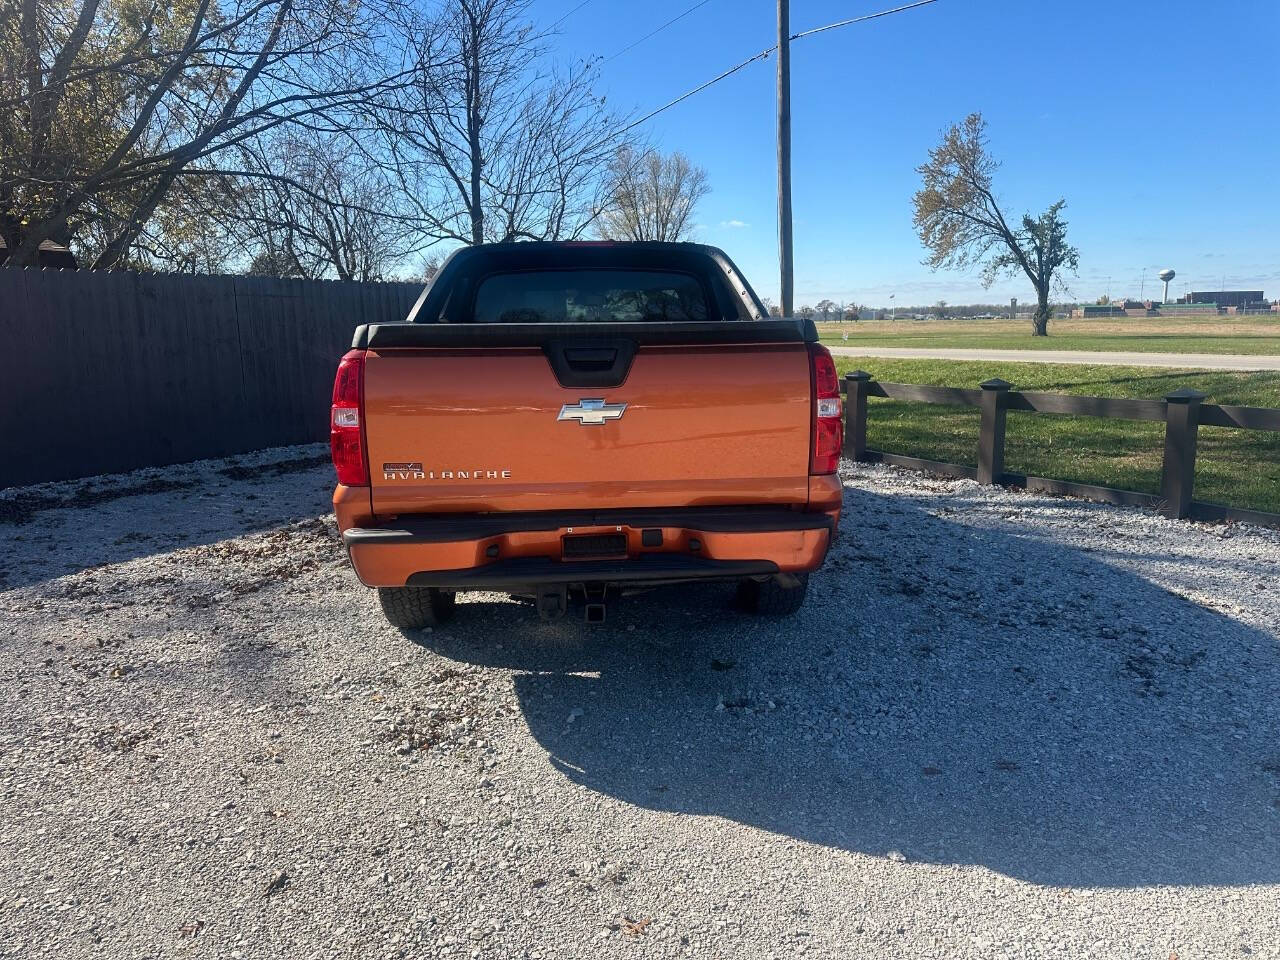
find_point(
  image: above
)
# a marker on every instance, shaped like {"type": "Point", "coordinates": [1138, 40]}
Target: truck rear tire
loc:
{"type": "Point", "coordinates": [412, 608]}
{"type": "Point", "coordinates": [778, 596]}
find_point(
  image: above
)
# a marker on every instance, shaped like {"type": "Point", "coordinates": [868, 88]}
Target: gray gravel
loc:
{"type": "Point", "coordinates": [1004, 726]}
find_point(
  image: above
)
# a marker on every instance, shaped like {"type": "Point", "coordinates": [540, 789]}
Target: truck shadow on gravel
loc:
{"type": "Point", "coordinates": [953, 693]}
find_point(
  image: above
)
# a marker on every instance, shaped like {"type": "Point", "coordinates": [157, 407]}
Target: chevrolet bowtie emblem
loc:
{"type": "Point", "coordinates": [593, 412]}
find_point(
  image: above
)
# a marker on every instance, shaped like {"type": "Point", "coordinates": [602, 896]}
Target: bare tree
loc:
{"type": "Point", "coordinates": [650, 196]}
{"type": "Point", "coordinates": [488, 141]}
{"type": "Point", "coordinates": [334, 215]}
{"type": "Point", "coordinates": [961, 224]}
{"type": "Point", "coordinates": [105, 105]}
{"type": "Point", "coordinates": [428, 266]}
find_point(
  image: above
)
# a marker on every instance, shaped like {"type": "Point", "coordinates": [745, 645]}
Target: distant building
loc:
{"type": "Point", "coordinates": [1097, 310]}
{"type": "Point", "coordinates": [1227, 298]}
{"type": "Point", "coordinates": [1140, 308]}
{"type": "Point", "coordinates": [1192, 309]}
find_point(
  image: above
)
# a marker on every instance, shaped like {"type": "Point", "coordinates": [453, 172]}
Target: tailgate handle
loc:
{"type": "Point", "coordinates": [599, 363]}
{"type": "Point", "coordinates": [590, 358]}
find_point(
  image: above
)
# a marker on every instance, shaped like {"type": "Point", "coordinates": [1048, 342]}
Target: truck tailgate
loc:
{"type": "Point", "coordinates": [481, 429]}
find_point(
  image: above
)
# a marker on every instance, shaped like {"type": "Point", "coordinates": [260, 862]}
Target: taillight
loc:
{"type": "Point", "coordinates": [346, 427]}
{"type": "Point", "coordinates": [827, 435]}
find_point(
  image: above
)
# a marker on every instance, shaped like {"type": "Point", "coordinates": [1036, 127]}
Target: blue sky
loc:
{"type": "Point", "coordinates": [1159, 122]}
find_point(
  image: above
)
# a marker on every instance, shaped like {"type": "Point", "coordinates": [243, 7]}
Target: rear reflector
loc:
{"type": "Point", "coordinates": [346, 427]}
{"type": "Point", "coordinates": [827, 436]}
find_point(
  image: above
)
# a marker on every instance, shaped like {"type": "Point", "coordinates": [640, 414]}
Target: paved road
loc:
{"type": "Point", "coordinates": [1198, 361]}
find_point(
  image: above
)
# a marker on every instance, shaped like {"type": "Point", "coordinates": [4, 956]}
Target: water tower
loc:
{"type": "Point", "coordinates": [1166, 276]}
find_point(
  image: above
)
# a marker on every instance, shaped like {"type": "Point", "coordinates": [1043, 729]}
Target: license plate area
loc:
{"type": "Point", "coordinates": [594, 546]}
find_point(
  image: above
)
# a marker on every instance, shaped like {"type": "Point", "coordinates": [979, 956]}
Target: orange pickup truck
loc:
{"type": "Point", "coordinates": [569, 422]}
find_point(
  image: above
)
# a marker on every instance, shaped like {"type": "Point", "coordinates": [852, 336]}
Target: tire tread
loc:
{"type": "Point", "coordinates": [770, 598]}
{"type": "Point", "coordinates": [413, 608]}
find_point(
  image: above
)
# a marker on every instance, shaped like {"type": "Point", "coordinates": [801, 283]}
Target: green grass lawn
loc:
{"type": "Point", "coordinates": [1251, 335]}
{"type": "Point", "coordinates": [1240, 468]}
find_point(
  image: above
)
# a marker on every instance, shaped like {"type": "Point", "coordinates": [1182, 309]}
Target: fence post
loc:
{"type": "Point", "coordinates": [995, 398]}
{"type": "Point", "coordinates": [1177, 477]}
{"type": "Point", "coordinates": [855, 414]}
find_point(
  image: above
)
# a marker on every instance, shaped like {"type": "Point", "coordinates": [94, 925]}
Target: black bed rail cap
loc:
{"type": "Point", "coordinates": [387, 336]}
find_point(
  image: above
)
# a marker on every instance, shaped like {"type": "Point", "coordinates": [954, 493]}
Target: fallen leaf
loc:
{"type": "Point", "coordinates": [192, 929]}
{"type": "Point", "coordinates": [634, 928]}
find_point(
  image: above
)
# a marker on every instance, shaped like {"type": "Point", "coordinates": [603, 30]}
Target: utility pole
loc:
{"type": "Point", "coordinates": [786, 260]}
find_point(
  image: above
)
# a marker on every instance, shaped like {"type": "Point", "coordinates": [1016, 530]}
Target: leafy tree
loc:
{"type": "Point", "coordinates": [273, 263]}
{"type": "Point", "coordinates": [805, 311]}
{"type": "Point", "coordinates": [189, 231]}
{"type": "Point", "coordinates": [107, 107]}
{"type": "Point", "coordinates": [649, 196]}
{"type": "Point", "coordinates": [826, 308]}
{"type": "Point", "coordinates": [961, 224]}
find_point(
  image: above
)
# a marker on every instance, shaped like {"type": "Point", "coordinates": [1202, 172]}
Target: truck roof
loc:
{"type": "Point", "coordinates": [534, 250]}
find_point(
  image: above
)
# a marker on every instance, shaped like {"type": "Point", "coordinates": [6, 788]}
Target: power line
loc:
{"type": "Point", "coordinates": [569, 14]}
{"type": "Point", "coordinates": [863, 19]}
{"type": "Point", "coordinates": [674, 19]}
{"type": "Point", "coordinates": [763, 54]}
{"type": "Point", "coordinates": [685, 96]}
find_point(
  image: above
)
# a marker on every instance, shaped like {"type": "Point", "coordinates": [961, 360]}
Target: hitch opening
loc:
{"type": "Point", "coordinates": [552, 601]}
{"type": "Point", "coordinates": [595, 595]}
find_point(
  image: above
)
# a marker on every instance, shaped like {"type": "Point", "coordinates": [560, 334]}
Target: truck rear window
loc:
{"type": "Point", "coordinates": [589, 296]}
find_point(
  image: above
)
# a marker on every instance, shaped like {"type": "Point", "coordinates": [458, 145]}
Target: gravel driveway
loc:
{"type": "Point", "coordinates": [1004, 726]}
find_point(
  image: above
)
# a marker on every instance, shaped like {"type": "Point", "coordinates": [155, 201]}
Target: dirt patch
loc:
{"type": "Point", "coordinates": [22, 508]}
{"type": "Point", "coordinates": [278, 469]}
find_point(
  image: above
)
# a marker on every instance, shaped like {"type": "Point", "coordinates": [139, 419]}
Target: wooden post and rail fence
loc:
{"type": "Point", "coordinates": [1183, 412]}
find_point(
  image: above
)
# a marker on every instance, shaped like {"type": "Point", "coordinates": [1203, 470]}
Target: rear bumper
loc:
{"type": "Point", "coordinates": [506, 551]}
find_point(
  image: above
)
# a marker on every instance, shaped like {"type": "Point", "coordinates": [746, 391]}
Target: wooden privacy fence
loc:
{"type": "Point", "coordinates": [107, 371]}
{"type": "Point", "coordinates": [1183, 412]}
